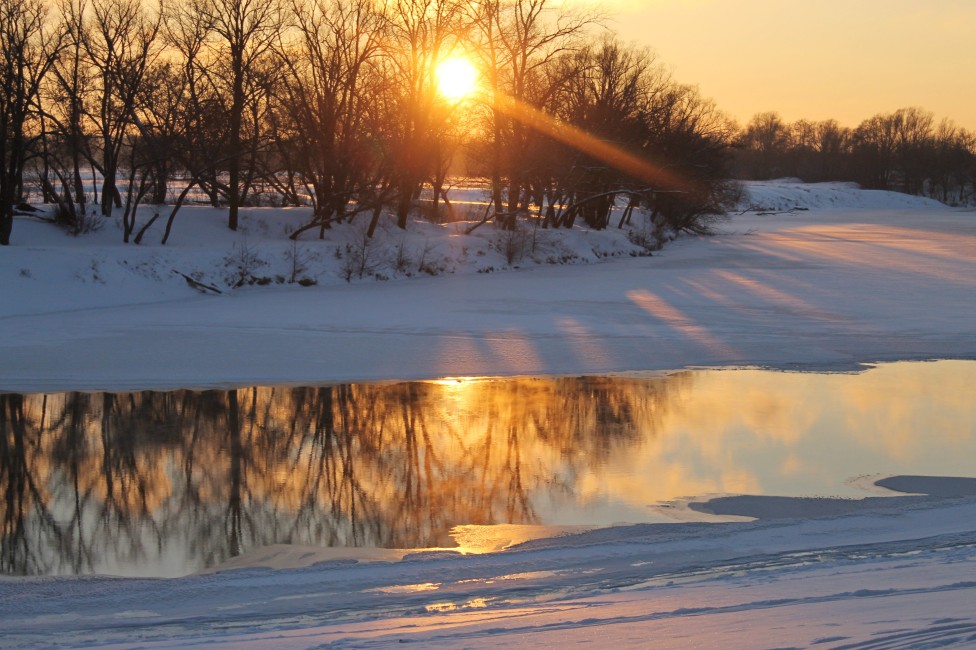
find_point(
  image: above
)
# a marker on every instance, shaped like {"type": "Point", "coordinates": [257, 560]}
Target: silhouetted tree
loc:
{"type": "Point", "coordinates": [328, 99]}
{"type": "Point", "coordinates": [120, 44]}
{"type": "Point", "coordinates": [237, 35]}
{"type": "Point", "coordinates": [28, 49]}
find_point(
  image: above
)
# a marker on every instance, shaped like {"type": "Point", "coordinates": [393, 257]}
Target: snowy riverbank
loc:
{"type": "Point", "coordinates": [891, 278]}
{"type": "Point", "coordinates": [806, 277]}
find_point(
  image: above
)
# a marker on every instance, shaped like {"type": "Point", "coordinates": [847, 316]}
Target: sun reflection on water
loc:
{"type": "Point", "coordinates": [466, 463]}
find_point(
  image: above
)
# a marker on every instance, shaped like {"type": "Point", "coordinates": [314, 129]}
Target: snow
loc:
{"type": "Point", "coordinates": [822, 276]}
{"type": "Point", "coordinates": [902, 573]}
{"type": "Point", "coordinates": [823, 288]}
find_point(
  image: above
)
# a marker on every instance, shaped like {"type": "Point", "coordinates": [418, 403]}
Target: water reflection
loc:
{"type": "Point", "coordinates": [125, 482]}
{"type": "Point", "coordinates": [167, 483]}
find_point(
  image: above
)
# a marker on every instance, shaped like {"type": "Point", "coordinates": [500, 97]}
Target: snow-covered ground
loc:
{"type": "Point", "coordinates": [892, 278]}
{"type": "Point", "coordinates": [823, 276]}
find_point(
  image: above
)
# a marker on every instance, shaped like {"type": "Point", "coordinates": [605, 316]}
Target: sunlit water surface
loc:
{"type": "Point", "coordinates": [170, 483]}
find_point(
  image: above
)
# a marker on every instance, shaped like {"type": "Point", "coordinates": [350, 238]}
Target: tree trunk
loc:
{"type": "Point", "coordinates": [236, 119]}
{"type": "Point", "coordinates": [6, 223]}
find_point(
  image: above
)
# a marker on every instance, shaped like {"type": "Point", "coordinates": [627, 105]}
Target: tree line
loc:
{"type": "Point", "coordinates": [108, 104]}
{"type": "Point", "coordinates": [908, 151]}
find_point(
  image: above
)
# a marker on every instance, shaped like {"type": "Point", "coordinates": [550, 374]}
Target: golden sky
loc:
{"type": "Point", "coordinates": [814, 59]}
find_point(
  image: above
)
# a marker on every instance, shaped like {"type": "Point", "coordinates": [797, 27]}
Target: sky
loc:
{"type": "Point", "coordinates": [814, 59]}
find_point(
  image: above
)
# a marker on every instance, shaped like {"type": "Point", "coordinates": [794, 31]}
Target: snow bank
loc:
{"type": "Point", "coordinates": [47, 269]}
{"type": "Point", "coordinates": [785, 195]}
{"type": "Point", "coordinates": [819, 288]}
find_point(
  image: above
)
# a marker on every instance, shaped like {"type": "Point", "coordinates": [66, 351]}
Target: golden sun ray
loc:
{"type": "Point", "coordinates": [611, 154]}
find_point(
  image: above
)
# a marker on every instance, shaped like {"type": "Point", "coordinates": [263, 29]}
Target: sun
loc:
{"type": "Point", "coordinates": [457, 78]}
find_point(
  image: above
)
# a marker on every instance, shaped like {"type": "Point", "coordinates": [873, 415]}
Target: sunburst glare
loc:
{"type": "Point", "coordinates": [457, 78]}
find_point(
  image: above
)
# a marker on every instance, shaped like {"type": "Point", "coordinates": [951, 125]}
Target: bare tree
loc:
{"type": "Point", "coordinates": [638, 135]}
{"type": "Point", "coordinates": [518, 41]}
{"type": "Point", "coordinates": [238, 35]}
{"type": "Point", "coordinates": [766, 139]}
{"type": "Point", "coordinates": [27, 52]}
{"type": "Point", "coordinates": [120, 45]}
{"type": "Point", "coordinates": [421, 33]}
{"type": "Point", "coordinates": [832, 146]}
{"type": "Point", "coordinates": [914, 146]}
{"type": "Point", "coordinates": [66, 111]}
{"type": "Point", "coordinates": [607, 92]}
{"type": "Point", "coordinates": [192, 107]}
{"type": "Point", "coordinates": [328, 97]}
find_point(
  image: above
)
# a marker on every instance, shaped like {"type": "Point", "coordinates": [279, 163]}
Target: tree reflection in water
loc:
{"type": "Point", "coordinates": [115, 483]}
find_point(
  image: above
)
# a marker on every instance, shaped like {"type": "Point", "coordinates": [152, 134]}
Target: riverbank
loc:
{"type": "Point", "coordinates": [858, 279]}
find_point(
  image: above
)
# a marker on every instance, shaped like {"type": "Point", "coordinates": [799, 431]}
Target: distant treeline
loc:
{"type": "Point", "coordinates": [906, 151]}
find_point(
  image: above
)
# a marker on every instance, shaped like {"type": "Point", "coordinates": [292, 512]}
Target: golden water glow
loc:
{"type": "Point", "coordinates": [457, 78]}
{"type": "Point", "coordinates": [95, 482]}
